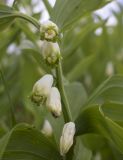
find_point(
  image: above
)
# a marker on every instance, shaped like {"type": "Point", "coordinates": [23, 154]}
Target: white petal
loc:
{"type": "Point", "coordinates": [53, 102]}
{"type": "Point", "coordinates": [47, 128]}
{"type": "Point", "coordinates": [66, 140]}
{"type": "Point", "coordinates": [41, 89]}
{"type": "Point", "coordinates": [43, 86]}
{"type": "Point", "coordinates": [50, 51]}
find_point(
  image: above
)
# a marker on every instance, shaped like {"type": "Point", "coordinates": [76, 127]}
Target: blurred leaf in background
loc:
{"type": "Point", "coordinates": [92, 51]}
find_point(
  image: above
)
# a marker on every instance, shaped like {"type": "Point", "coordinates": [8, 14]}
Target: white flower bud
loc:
{"type": "Point", "coordinates": [49, 31]}
{"type": "Point", "coordinates": [53, 102]}
{"type": "Point", "coordinates": [47, 129]}
{"type": "Point", "coordinates": [109, 69]}
{"type": "Point", "coordinates": [41, 89]}
{"type": "Point", "coordinates": [50, 52]}
{"type": "Point", "coordinates": [66, 140]}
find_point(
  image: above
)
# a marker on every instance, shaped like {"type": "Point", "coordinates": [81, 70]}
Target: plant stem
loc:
{"type": "Point", "coordinates": [29, 19]}
{"type": "Point", "coordinates": [64, 157]}
{"type": "Point", "coordinates": [48, 6]}
{"type": "Point", "coordinates": [14, 2]}
{"type": "Point", "coordinates": [13, 121]}
{"type": "Point", "coordinates": [66, 109]}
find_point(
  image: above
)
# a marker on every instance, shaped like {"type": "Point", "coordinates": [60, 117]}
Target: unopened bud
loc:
{"type": "Point", "coordinates": [47, 129]}
{"type": "Point", "coordinates": [50, 52]}
{"type": "Point", "coordinates": [49, 31]}
{"type": "Point", "coordinates": [53, 102]}
{"type": "Point", "coordinates": [66, 140]}
{"type": "Point", "coordinates": [109, 69]}
{"type": "Point", "coordinates": [41, 89]}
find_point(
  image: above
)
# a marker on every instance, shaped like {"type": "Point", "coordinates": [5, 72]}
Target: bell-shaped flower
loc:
{"type": "Point", "coordinates": [41, 89]}
{"type": "Point", "coordinates": [50, 52]}
{"type": "Point", "coordinates": [66, 140]}
{"type": "Point", "coordinates": [49, 31]}
{"type": "Point", "coordinates": [47, 129]}
{"type": "Point", "coordinates": [53, 102]}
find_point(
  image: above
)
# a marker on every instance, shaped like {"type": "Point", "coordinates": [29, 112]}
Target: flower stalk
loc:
{"type": "Point", "coordinates": [66, 109]}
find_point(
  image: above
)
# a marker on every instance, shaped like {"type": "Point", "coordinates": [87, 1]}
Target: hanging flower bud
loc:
{"type": "Point", "coordinates": [109, 69]}
{"type": "Point", "coordinates": [66, 140]}
{"type": "Point", "coordinates": [47, 129]}
{"type": "Point", "coordinates": [50, 52]}
{"type": "Point", "coordinates": [53, 102]}
{"type": "Point", "coordinates": [41, 89]}
{"type": "Point", "coordinates": [49, 31]}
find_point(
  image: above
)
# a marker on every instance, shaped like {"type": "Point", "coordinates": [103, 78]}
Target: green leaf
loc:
{"type": "Point", "coordinates": [93, 120]}
{"type": "Point", "coordinates": [27, 143]}
{"type": "Point", "coordinates": [68, 12]}
{"type": "Point", "coordinates": [113, 110]}
{"type": "Point", "coordinates": [10, 91]}
{"type": "Point", "coordinates": [8, 14]}
{"type": "Point", "coordinates": [80, 68]}
{"type": "Point", "coordinates": [77, 96]}
{"type": "Point", "coordinates": [36, 55]}
{"type": "Point", "coordinates": [90, 141]}
{"type": "Point", "coordinates": [81, 152]}
{"type": "Point", "coordinates": [57, 125]}
{"type": "Point", "coordinates": [79, 32]}
{"type": "Point", "coordinates": [110, 90]}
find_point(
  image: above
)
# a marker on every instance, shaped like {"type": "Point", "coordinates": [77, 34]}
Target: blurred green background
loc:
{"type": "Point", "coordinates": [92, 50]}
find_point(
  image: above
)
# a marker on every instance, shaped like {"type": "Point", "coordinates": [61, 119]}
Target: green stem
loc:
{"type": "Point", "coordinates": [48, 6]}
{"type": "Point", "coordinates": [66, 109]}
{"type": "Point", "coordinates": [13, 120]}
{"type": "Point", "coordinates": [64, 157]}
{"type": "Point", "coordinates": [29, 19]}
{"type": "Point", "coordinates": [14, 2]}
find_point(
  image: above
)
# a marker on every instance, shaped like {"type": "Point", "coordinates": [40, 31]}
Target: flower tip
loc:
{"type": "Point", "coordinates": [66, 140]}
{"type": "Point", "coordinates": [50, 52]}
{"type": "Point", "coordinates": [53, 102]}
{"type": "Point", "coordinates": [49, 31]}
{"type": "Point", "coordinates": [41, 89]}
{"type": "Point", "coordinates": [47, 129]}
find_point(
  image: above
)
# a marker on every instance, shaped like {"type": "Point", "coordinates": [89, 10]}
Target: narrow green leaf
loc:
{"type": "Point", "coordinates": [8, 14]}
{"type": "Point", "coordinates": [37, 56]}
{"type": "Point", "coordinates": [68, 12]}
{"type": "Point", "coordinates": [93, 120]}
{"type": "Point", "coordinates": [80, 68]}
{"type": "Point", "coordinates": [79, 32]}
{"type": "Point", "coordinates": [27, 143]}
{"type": "Point", "coordinates": [75, 90]}
{"type": "Point", "coordinates": [113, 110]}
{"type": "Point", "coordinates": [13, 120]}
{"type": "Point", "coordinates": [110, 90]}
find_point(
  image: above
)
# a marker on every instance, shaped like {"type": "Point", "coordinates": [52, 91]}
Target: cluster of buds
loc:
{"type": "Point", "coordinates": [50, 50]}
{"type": "Point", "coordinates": [66, 140]}
{"type": "Point", "coordinates": [44, 93]}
